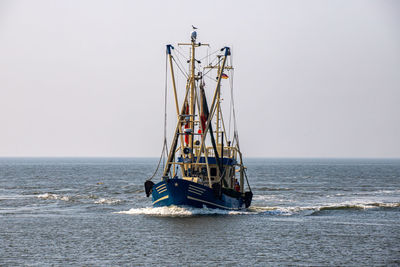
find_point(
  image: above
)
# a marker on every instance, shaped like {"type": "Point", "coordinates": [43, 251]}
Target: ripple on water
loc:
{"type": "Point", "coordinates": [77, 198]}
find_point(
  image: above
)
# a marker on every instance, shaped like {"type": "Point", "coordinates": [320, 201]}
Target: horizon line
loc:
{"type": "Point", "coordinates": [156, 157]}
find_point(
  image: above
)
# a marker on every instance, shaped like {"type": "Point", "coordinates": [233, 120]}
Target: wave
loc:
{"type": "Point", "coordinates": [133, 189]}
{"type": "Point", "coordinates": [175, 211]}
{"type": "Point", "coordinates": [349, 206]}
{"type": "Point", "coordinates": [315, 210]}
{"type": "Point", "coordinates": [264, 197]}
{"type": "Point", "coordinates": [360, 206]}
{"type": "Point", "coordinates": [53, 196]}
{"type": "Point", "coordinates": [388, 191]}
{"type": "Point", "coordinates": [78, 198]}
{"type": "Point", "coordinates": [274, 189]}
{"type": "Point", "coordinates": [107, 201]}
{"type": "Point", "coordinates": [283, 211]}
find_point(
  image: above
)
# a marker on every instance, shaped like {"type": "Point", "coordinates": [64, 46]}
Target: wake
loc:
{"type": "Point", "coordinates": [175, 211]}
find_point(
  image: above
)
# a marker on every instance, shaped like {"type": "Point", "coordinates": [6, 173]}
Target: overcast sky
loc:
{"type": "Point", "coordinates": [312, 78]}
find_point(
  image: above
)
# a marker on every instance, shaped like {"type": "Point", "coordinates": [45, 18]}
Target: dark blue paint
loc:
{"type": "Point", "coordinates": [178, 192]}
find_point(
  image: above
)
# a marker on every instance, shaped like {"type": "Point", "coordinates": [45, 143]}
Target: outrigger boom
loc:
{"type": "Point", "coordinates": [207, 166]}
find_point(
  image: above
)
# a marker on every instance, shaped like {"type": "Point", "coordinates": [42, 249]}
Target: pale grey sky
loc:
{"type": "Point", "coordinates": [312, 79]}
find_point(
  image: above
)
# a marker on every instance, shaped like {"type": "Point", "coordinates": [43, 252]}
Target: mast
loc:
{"type": "Point", "coordinates": [218, 103]}
{"type": "Point", "coordinates": [192, 95]}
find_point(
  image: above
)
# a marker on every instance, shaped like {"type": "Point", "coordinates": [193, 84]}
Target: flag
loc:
{"type": "Point", "coordinates": [224, 76]}
{"type": "Point", "coordinates": [186, 111]}
{"type": "Point", "coordinates": [204, 108]}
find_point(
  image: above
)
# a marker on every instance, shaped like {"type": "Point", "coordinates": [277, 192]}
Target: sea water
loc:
{"type": "Point", "coordinates": [94, 212]}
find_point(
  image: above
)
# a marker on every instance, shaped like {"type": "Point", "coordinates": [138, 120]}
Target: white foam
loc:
{"type": "Point", "coordinates": [390, 205]}
{"type": "Point", "coordinates": [306, 210]}
{"type": "Point", "coordinates": [270, 210]}
{"type": "Point", "coordinates": [107, 201]}
{"type": "Point", "coordinates": [47, 196]}
{"type": "Point", "coordinates": [53, 196]}
{"type": "Point", "coordinates": [175, 211]}
{"type": "Point", "coordinates": [264, 197]}
{"type": "Point", "coordinates": [354, 204]}
{"type": "Point", "coordinates": [388, 191]}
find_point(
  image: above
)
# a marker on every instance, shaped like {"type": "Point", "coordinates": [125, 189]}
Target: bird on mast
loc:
{"type": "Point", "coordinates": [194, 34]}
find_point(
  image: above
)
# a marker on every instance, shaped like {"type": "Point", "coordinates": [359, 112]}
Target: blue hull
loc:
{"type": "Point", "coordinates": [181, 192]}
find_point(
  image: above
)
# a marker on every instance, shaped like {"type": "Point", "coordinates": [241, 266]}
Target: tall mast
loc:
{"type": "Point", "coordinates": [218, 104]}
{"type": "Point", "coordinates": [192, 92]}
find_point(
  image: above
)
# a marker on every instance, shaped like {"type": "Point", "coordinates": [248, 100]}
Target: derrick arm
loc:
{"type": "Point", "coordinates": [210, 116]}
{"type": "Point", "coordinates": [174, 144]}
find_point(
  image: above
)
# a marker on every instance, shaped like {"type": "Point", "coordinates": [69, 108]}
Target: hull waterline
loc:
{"type": "Point", "coordinates": [180, 192]}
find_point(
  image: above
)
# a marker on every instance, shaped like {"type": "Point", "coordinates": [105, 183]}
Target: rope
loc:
{"type": "Point", "coordinates": [196, 68]}
{"type": "Point", "coordinates": [165, 146]}
{"type": "Point", "coordinates": [215, 65]}
{"type": "Point", "coordinates": [235, 131]}
{"type": "Point", "coordinates": [158, 165]}
{"type": "Point", "coordinates": [184, 73]}
{"type": "Point", "coordinates": [180, 62]}
{"type": "Point", "coordinates": [247, 180]}
{"type": "Point", "coordinates": [230, 103]}
{"type": "Point", "coordinates": [212, 61]}
{"type": "Point", "coordinates": [216, 51]}
{"type": "Point", "coordinates": [207, 76]}
{"type": "Point", "coordinates": [177, 50]}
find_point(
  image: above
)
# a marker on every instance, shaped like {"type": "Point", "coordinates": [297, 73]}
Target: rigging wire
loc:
{"type": "Point", "coordinates": [198, 68]}
{"type": "Point", "coordinates": [230, 105]}
{"type": "Point", "coordinates": [247, 180]}
{"type": "Point", "coordinates": [209, 77]}
{"type": "Point", "coordinates": [235, 131]}
{"type": "Point", "coordinates": [215, 64]}
{"type": "Point", "coordinates": [181, 65]}
{"type": "Point", "coordinates": [205, 75]}
{"type": "Point", "coordinates": [165, 109]}
{"type": "Point", "coordinates": [183, 72]}
{"type": "Point", "coordinates": [212, 61]}
{"type": "Point", "coordinates": [187, 59]}
{"type": "Point", "coordinates": [209, 55]}
{"type": "Point", "coordinates": [231, 100]}
{"type": "Point", "coordinates": [164, 151]}
{"type": "Point", "coordinates": [177, 50]}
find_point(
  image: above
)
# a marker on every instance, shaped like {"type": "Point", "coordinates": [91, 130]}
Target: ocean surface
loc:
{"type": "Point", "coordinates": [93, 212]}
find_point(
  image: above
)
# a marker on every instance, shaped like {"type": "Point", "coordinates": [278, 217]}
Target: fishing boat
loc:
{"type": "Point", "coordinates": [204, 164]}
